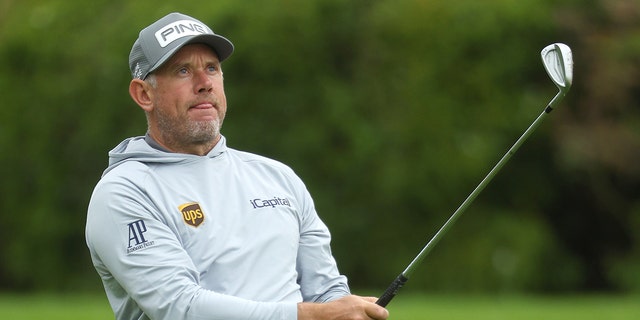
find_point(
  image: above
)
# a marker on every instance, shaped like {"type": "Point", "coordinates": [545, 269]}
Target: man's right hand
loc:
{"type": "Point", "coordinates": [347, 308]}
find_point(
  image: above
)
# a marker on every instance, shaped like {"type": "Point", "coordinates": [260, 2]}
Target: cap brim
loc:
{"type": "Point", "coordinates": [221, 45]}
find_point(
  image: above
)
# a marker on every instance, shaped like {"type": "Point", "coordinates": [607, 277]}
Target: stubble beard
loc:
{"type": "Point", "coordinates": [183, 133]}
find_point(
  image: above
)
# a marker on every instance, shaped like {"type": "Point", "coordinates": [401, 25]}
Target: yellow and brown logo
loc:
{"type": "Point", "coordinates": [192, 213]}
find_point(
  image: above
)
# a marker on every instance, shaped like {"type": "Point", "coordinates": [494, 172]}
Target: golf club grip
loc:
{"type": "Point", "coordinates": [392, 290]}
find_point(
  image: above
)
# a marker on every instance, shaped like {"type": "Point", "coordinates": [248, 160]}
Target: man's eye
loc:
{"type": "Point", "coordinates": [213, 69]}
{"type": "Point", "coordinates": [183, 71]}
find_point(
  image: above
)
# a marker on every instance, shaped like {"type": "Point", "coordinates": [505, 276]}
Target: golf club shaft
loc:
{"type": "Point", "coordinates": [401, 279]}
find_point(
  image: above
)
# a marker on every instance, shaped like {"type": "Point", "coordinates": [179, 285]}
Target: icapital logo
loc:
{"type": "Point", "coordinates": [192, 214]}
{"type": "Point", "coordinates": [275, 201]}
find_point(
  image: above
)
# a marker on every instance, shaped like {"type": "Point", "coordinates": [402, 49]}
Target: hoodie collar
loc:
{"type": "Point", "coordinates": [146, 150]}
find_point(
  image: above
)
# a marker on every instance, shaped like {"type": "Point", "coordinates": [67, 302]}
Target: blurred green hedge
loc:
{"type": "Point", "coordinates": [391, 111]}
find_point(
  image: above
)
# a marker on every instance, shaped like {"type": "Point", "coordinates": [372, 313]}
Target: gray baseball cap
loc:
{"type": "Point", "coordinates": [162, 39]}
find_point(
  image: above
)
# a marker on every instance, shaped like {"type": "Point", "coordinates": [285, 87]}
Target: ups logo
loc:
{"type": "Point", "coordinates": [192, 213]}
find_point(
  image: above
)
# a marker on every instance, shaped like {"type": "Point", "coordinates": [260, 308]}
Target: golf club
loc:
{"type": "Point", "coordinates": [558, 62]}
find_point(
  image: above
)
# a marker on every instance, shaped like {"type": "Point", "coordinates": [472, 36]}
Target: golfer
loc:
{"type": "Point", "coordinates": [180, 226]}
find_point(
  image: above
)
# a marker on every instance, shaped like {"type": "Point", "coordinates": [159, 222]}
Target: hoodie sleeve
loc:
{"type": "Point", "coordinates": [143, 266]}
{"type": "Point", "coordinates": [318, 274]}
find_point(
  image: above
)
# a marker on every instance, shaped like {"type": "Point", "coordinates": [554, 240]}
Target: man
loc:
{"type": "Point", "coordinates": [182, 227]}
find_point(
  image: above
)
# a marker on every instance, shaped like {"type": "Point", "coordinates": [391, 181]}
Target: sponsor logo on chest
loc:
{"type": "Point", "coordinates": [270, 203]}
{"type": "Point", "coordinates": [192, 214]}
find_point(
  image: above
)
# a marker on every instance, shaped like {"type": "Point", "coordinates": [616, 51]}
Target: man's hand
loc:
{"type": "Point", "coordinates": [346, 308]}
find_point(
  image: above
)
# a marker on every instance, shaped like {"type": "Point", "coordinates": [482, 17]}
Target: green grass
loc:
{"type": "Point", "coordinates": [418, 307]}
{"type": "Point", "coordinates": [407, 306]}
{"type": "Point", "coordinates": [55, 307]}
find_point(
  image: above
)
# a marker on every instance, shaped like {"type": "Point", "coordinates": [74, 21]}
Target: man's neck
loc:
{"type": "Point", "coordinates": [199, 149]}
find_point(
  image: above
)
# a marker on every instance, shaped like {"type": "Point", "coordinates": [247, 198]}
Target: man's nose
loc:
{"type": "Point", "coordinates": [203, 82]}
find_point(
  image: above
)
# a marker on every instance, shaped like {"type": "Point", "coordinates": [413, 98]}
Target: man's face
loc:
{"type": "Point", "coordinates": [188, 100]}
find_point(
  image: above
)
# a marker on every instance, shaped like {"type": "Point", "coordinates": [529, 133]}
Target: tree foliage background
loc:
{"type": "Point", "coordinates": [390, 110]}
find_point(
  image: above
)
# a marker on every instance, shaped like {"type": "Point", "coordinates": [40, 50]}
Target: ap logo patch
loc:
{"type": "Point", "coordinates": [137, 238]}
{"type": "Point", "coordinates": [192, 213]}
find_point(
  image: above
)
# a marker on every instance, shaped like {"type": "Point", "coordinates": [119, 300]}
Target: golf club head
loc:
{"type": "Point", "coordinates": [558, 62]}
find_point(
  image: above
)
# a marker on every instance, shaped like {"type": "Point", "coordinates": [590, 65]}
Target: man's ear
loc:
{"type": "Point", "coordinates": [140, 92]}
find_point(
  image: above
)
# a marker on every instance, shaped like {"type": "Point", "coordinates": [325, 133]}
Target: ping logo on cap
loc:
{"type": "Point", "coordinates": [192, 214]}
{"type": "Point", "coordinates": [179, 29]}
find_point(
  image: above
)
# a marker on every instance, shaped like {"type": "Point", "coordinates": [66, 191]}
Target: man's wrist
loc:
{"type": "Point", "coordinates": [307, 310]}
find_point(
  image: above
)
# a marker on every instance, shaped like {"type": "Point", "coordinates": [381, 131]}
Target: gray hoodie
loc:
{"type": "Point", "coordinates": [230, 235]}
